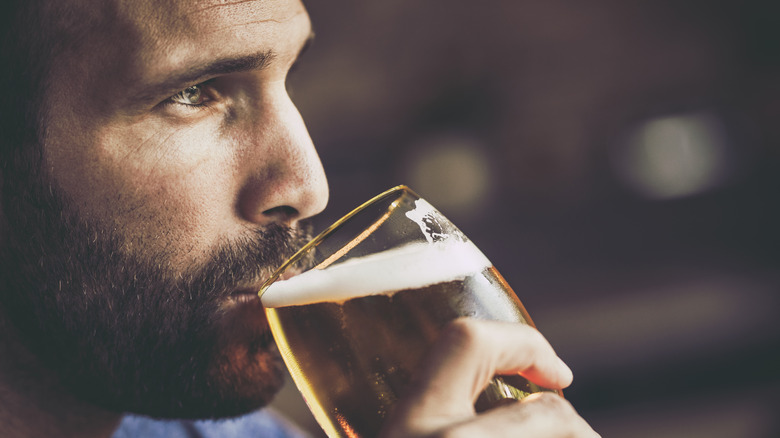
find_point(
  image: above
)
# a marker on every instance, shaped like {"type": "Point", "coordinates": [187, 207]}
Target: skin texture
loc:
{"type": "Point", "coordinates": [201, 174]}
{"type": "Point", "coordinates": [122, 253]}
{"type": "Point", "coordinates": [174, 172]}
{"type": "Point", "coordinates": [471, 352]}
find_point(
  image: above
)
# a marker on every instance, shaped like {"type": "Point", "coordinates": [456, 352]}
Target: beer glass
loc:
{"type": "Point", "coordinates": [364, 300]}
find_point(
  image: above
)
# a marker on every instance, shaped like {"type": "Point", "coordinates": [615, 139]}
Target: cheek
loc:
{"type": "Point", "coordinates": [184, 208]}
{"type": "Point", "coordinates": [162, 194]}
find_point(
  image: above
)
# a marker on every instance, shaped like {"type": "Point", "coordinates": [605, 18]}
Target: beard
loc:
{"type": "Point", "coordinates": [123, 331]}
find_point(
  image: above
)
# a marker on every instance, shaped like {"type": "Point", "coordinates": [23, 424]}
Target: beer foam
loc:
{"type": "Point", "coordinates": [412, 266]}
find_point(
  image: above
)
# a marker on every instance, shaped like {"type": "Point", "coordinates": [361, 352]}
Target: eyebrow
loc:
{"type": "Point", "coordinates": [200, 73]}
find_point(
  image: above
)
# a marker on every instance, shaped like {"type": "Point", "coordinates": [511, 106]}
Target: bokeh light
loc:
{"type": "Point", "coordinates": [674, 156]}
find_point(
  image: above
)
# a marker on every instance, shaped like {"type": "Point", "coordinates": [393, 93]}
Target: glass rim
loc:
{"type": "Point", "coordinates": [330, 230]}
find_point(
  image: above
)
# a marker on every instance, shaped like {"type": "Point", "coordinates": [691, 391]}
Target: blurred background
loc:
{"type": "Point", "coordinates": [617, 160]}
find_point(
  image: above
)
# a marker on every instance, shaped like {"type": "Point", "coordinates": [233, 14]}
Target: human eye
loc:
{"type": "Point", "coordinates": [194, 96]}
{"type": "Point", "coordinates": [190, 96]}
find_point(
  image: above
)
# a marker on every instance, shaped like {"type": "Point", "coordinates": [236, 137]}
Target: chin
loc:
{"type": "Point", "coordinates": [246, 371]}
{"type": "Point", "coordinates": [231, 368]}
{"type": "Point", "coordinates": [248, 368]}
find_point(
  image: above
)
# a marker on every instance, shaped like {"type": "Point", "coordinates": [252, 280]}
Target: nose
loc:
{"type": "Point", "coordinates": [284, 179]}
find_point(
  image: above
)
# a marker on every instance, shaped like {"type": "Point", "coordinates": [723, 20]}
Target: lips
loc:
{"type": "Point", "coordinates": [245, 295]}
{"type": "Point", "coordinates": [289, 273]}
{"type": "Point", "coordinates": [250, 294]}
{"type": "Point", "coordinates": [242, 322]}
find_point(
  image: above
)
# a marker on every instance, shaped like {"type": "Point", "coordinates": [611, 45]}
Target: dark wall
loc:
{"type": "Point", "coordinates": [617, 160]}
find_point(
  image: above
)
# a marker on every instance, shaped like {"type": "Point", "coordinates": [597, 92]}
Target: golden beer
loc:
{"type": "Point", "coordinates": [352, 334]}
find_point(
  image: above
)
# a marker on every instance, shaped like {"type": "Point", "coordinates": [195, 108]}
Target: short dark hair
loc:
{"type": "Point", "coordinates": [33, 33]}
{"type": "Point", "coordinates": [25, 52]}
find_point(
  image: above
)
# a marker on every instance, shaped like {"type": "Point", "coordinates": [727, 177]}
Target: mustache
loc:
{"type": "Point", "coordinates": [249, 260]}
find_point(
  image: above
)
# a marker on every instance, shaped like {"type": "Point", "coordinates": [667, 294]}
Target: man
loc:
{"type": "Point", "coordinates": [154, 171]}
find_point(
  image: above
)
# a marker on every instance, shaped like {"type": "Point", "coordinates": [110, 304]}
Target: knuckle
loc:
{"type": "Point", "coordinates": [536, 339]}
{"type": "Point", "coordinates": [464, 331]}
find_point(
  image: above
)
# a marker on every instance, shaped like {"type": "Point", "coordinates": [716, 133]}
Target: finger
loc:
{"type": "Point", "coordinates": [542, 415]}
{"type": "Point", "coordinates": [468, 354]}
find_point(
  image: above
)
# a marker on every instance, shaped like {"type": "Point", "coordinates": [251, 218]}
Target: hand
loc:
{"type": "Point", "coordinates": [467, 355]}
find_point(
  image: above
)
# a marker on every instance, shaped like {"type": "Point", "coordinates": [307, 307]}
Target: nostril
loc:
{"type": "Point", "coordinates": [282, 213]}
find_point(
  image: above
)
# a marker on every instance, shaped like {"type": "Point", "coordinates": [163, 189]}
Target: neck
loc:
{"type": "Point", "coordinates": [34, 404]}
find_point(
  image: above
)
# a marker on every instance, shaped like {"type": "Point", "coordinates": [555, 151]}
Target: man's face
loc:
{"type": "Point", "coordinates": [175, 171]}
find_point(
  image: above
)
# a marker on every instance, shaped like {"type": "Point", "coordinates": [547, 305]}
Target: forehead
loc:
{"type": "Point", "coordinates": [155, 31]}
{"type": "Point", "coordinates": [167, 30]}
{"type": "Point", "coordinates": [115, 48]}
{"type": "Point", "coordinates": [161, 20]}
